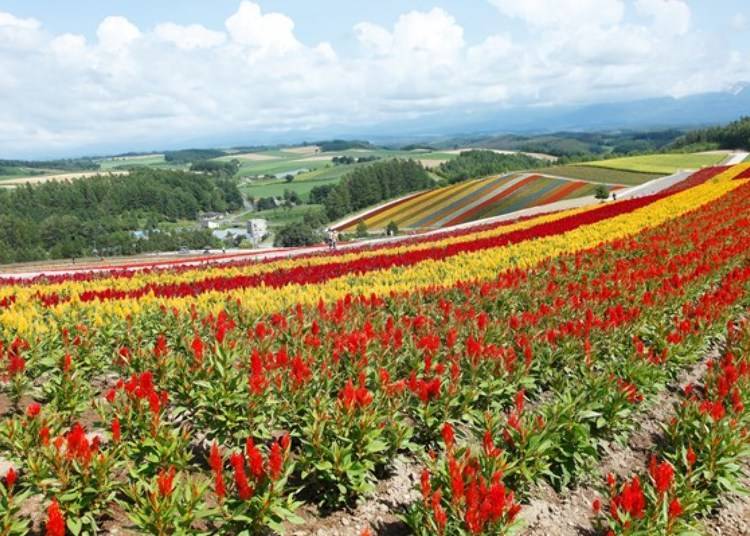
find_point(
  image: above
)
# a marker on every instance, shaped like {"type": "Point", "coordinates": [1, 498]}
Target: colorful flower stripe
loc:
{"type": "Point", "coordinates": [437, 203]}
{"type": "Point", "coordinates": [27, 317]}
{"type": "Point", "coordinates": [415, 204]}
{"type": "Point", "coordinates": [524, 198]}
{"type": "Point", "coordinates": [459, 207]}
{"type": "Point", "coordinates": [566, 190]}
{"type": "Point", "coordinates": [472, 214]}
{"type": "Point", "coordinates": [744, 175]}
{"type": "Point", "coordinates": [699, 177]}
{"type": "Point", "coordinates": [304, 275]}
{"type": "Point", "coordinates": [375, 212]}
{"type": "Point", "coordinates": [130, 280]}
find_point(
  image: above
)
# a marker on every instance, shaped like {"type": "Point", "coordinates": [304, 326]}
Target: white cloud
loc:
{"type": "Point", "coordinates": [190, 36]}
{"type": "Point", "coordinates": [7, 20]}
{"type": "Point", "coordinates": [19, 34]}
{"type": "Point", "coordinates": [116, 34]}
{"type": "Point", "coordinates": [149, 87]}
{"type": "Point", "coordinates": [269, 34]}
{"type": "Point", "coordinates": [670, 16]}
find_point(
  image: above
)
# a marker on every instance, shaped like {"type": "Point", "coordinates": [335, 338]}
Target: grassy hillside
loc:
{"type": "Point", "coordinates": [602, 175]}
{"type": "Point", "coordinates": [661, 163]}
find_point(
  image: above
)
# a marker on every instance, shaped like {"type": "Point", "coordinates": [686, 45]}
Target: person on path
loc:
{"type": "Point", "coordinates": [334, 238]}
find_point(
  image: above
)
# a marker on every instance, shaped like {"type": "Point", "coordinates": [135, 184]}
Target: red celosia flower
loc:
{"type": "Point", "coordinates": [690, 456]}
{"type": "Point", "coordinates": [254, 459]}
{"type": "Point", "coordinates": [596, 505]}
{"type": "Point", "coordinates": [33, 409]}
{"type": "Point", "coordinates": [44, 435]}
{"type": "Point", "coordinates": [425, 486]}
{"type": "Point", "coordinates": [77, 445]}
{"type": "Point", "coordinates": [16, 365]}
{"type": "Point", "coordinates": [240, 478]}
{"type": "Point", "coordinates": [55, 525]}
{"type": "Point", "coordinates": [630, 501]}
{"type": "Point", "coordinates": [275, 461]}
{"type": "Point", "coordinates": [675, 508]}
{"type": "Point", "coordinates": [219, 487]}
{"type": "Point", "coordinates": [197, 346]}
{"type": "Point", "coordinates": [164, 481]}
{"type": "Point", "coordinates": [663, 475]}
{"type": "Point", "coordinates": [10, 478]}
{"type": "Point", "coordinates": [448, 436]}
{"type": "Point", "coordinates": [214, 458]}
{"type": "Point", "coordinates": [116, 430]}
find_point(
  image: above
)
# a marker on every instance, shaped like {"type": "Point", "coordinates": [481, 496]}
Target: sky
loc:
{"type": "Point", "coordinates": [83, 76]}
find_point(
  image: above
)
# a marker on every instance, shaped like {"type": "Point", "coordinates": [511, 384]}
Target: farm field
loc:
{"type": "Point", "coordinates": [661, 163]}
{"type": "Point", "coordinates": [305, 163]}
{"type": "Point", "coordinates": [599, 174]}
{"type": "Point", "coordinates": [472, 200]}
{"type": "Point", "coordinates": [155, 161]}
{"type": "Point", "coordinates": [276, 188]}
{"type": "Point", "coordinates": [36, 179]}
{"type": "Point", "coordinates": [427, 386]}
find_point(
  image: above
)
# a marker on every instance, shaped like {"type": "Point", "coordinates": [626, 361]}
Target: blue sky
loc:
{"type": "Point", "coordinates": [121, 74]}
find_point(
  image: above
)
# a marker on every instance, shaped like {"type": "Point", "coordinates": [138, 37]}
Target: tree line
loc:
{"type": "Point", "coordinates": [66, 164]}
{"type": "Point", "coordinates": [186, 156]}
{"type": "Point", "coordinates": [375, 183]}
{"type": "Point", "coordinates": [735, 135]}
{"type": "Point", "coordinates": [478, 163]}
{"type": "Point", "coordinates": [109, 214]}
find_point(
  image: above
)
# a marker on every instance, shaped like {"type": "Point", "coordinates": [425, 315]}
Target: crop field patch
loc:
{"type": "Point", "coordinates": [660, 163]}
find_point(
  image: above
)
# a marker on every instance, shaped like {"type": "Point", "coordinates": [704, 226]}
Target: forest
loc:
{"type": "Point", "coordinates": [108, 215]}
{"type": "Point", "coordinates": [735, 135]}
{"type": "Point", "coordinates": [374, 183]}
{"type": "Point", "coordinates": [477, 163]}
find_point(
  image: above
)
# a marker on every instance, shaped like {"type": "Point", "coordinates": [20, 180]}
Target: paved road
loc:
{"type": "Point", "coordinates": [737, 157]}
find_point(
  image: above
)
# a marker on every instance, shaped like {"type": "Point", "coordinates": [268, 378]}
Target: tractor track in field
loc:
{"type": "Point", "coordinates": [569, 513]}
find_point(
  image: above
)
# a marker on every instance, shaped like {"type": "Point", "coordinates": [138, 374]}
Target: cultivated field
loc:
{"type": "Point", "coordinates": [661, 163]}
{"type": "Point", "coordinates": [37, 179]}
{"type": "Point", "coordinates": [599, 174]}
{"type": "Point", "coordinates": [472, 200]}
{"type": "Point", "coordinates": [585, 371]}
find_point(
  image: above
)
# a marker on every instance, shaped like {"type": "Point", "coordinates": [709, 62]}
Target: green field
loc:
{"type": "Point", "coordinates": [11, 172]}
{"type": "Point", "coordinates": [278, 162]}
{"type": "Point", "coordinates": [153, 161]}
{"type": "Point", "coordinates": [660, 163]}
{"type": "Point", "coordinates": [276, 188]}
{"type": "Point", "coordinates": [278, 217]}
{"type": "Point", "coordinates": [603, 175]}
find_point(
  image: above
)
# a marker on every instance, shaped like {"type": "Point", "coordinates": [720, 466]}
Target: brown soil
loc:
{"type": "Point", "coordinates": [733, 517]}
{"type": "Point", "coordinates": [378, 512]}
{"type": "Point", "coordinates": [569, 513]}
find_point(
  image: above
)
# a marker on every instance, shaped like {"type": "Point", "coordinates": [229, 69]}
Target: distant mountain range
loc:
{"type": "Point", "coordinates": [654, 113]}
{"type": "Point", "coordinates": [454, 124]}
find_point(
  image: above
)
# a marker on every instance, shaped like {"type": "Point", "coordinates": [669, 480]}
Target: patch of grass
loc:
{"type": "Point", "coordinates": [155, 161]}
{"type": "Point", "coordinates": [660, 163]}
{"type": "Point", "coordinates": [602, 175]}
{"type": "Point", "coordinates": [278, 217]}
{"type": "Point", "coordinates": [276, 188]}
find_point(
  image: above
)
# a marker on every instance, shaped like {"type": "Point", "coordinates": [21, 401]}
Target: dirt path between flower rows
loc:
{"type": "Point", "coordinates": [378, 511]}
{"type": "Point", "coordinates": [569, 513]}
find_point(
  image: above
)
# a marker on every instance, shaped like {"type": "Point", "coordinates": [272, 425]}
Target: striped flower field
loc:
{"type": "Point", "coordinates": [471, 201]}
{"type": "Point", "coordinates": [592, 363]}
